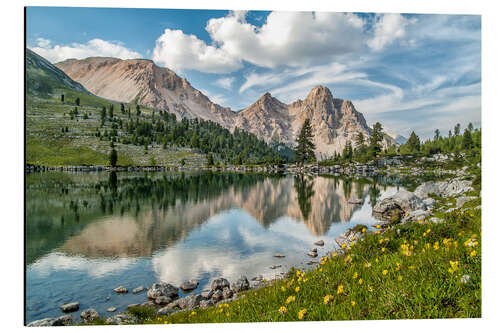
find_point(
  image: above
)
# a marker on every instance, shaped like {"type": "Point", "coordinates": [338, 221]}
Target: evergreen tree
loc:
{"type": "Point", "coordinates": [436, 135]}
{"type": "Point", "coordinates": [122, 108]}
{"type": "Point", "coordinates": [113, 157]}
{"type": "Point", "coordinates": [62, 98]}
{"type": "Point", "coordinates": [347, 152]}
{"type": "Point", "coordinates": [138, 110]}
{"type": "Point", "coordinates": [77, 102]}
{"type": "Point", "coordinates": [413, 142]}
{"type": "Point", "coordinates": [304, 152]}
{"type": "Point", "coordinates": [467, 140]}
{"type": "Point", "coordinates": [210, 159]}
{"type": "Point", "coordinates": [376, 139]}
{"type": "Point", "coordinates": [456, 130]}
{"type": "Point", "coordinates": [360, 140]}
{"type": "Point", "coordinates": [111, 108]}
{"type": "Point", "coordinates": [103, 114]}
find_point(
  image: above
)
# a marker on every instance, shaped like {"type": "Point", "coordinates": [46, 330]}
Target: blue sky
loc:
{"type": "Point", "coordinates": [410, 72]}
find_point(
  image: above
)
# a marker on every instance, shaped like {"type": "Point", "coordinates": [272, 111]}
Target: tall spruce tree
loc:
{"type": "Point", "coordinates": [304, 152]}
{"type": "Point", "coordinates": [376, 139]}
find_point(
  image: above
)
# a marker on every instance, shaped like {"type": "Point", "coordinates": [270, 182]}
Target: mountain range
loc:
{"type": "Point", "coordinates": [334, 121]}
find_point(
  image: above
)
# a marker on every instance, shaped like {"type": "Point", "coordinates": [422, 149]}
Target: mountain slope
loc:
{"type": "Point", "coordinates": [42, 77]}
{"type": "Point", "coordinates": [335, 121]}
{"type": "Point", "coordinates": [141, 81]}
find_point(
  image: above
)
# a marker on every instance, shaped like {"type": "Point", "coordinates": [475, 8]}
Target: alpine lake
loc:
{"type": "Point", "coordinates": [90, 232]}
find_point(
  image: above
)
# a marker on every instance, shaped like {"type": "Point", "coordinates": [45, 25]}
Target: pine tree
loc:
{"type": "Point", "coordinates": [467, 140]}
{"type": "Point", "coordinates": [456, 130]}
{"type": "Point", "coordinates": [436, 134]}
{"type": "Point", "coordinates": [376, 139]}
{"type": "Point", "coordinates": [77, 102]}
{"type": "Point", "coordinates": [210, 159]}
{"type": "Point", "coordinates": [304, 152]}
{"type": "Point", "coordinates": [62, 98]}
{"type": "Point", "coordinates": [138, 110]}
{"type": "Point", "coordinates": [113, 157]}
{"type": "Point", "coordinates": [111, 108]}
{"type": "Point", "coordinates": [122, 108]}
{"type": "Point", "coordinates": [413, 142]}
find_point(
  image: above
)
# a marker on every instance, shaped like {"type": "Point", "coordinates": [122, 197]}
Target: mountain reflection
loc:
{"type": "Point", "coordinates": [134, 216]}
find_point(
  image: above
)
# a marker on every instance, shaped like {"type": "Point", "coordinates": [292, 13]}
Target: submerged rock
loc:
{"type": "Point", "coordinates": [320, 243]}
{"type": "Point", "coordinates": [120, 290]}
{"type": "Point", "coordinates": [279, 255]}
{"type": "Point", "coordinates": [138, 289]}
{"type": "Point", "coordinates": [70, 307]}
{"type": "Point", "coordinates": [356, 201]}
{"type": "Point", "coordinates": [275, 266]}
{"type": "Point", "coordinates": [312, 254]}
{"type": "Point", "coordinates": [111, 309]}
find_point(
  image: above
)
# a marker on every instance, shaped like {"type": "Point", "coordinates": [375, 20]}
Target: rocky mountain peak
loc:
{"type": "Point", "coordinates": [319, 92]}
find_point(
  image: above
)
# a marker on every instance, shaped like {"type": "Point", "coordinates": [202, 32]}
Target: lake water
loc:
{"type": "Point", "coordinates": [88, 233]}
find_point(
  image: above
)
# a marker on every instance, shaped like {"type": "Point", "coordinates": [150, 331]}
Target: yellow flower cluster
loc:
{"type": "Point", "coordinates": [355, 276]}
{"type": "Point", "coordinates": [323, 260]}
{"type": "Point", "coordinates": [384, 272]}
{"type": "Point", "coordinates": [406, 249]}
{"type": "Point", "coordinates": [282, 310]}
{"type": "Point", "coordinates": [436, 246]}
{"type": "Point", "coordinates": [453, 266]}
{"type": "Point", "coordinates": [327, 299]}
{"type": "Point", "coordinates": [353, 303]}
{"type": "Point", "coordinates": [471, 242]}
{"type": "Point", "coordinates": [302, 313]}
{"type": "Point", "coordinates": [473, 253]}
{"type": "Point", "coordinates": [426, 232]}
{"type": "Point", "coordinates": [297, 289]}
{"type": "Point", "coordinates": [290, 299]}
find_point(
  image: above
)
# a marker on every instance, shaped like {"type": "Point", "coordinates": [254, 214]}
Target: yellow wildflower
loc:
{"type": "Point", "coordinates": [290, 299]}
{"type": "Point", "coordinates": [355, 275]}
{"type": "Point", "coordinates": [283, 310]}
{"type": "Point", "coordinates": [400, 278]}
{"type": "Point", "coordinates": [344, 246]}
{"type": "Point", "coordinates": [283, 288]}
{"type": "Point", "coordinates": [353, 303]}
{"type": "Point", "coordinates": [297, 289]}
{"type": "Point", "coordinates": [377, 226]}
{"type": "Point", "coordinates": [473, 253]}
{"type": "Point", "coordinates": [340, 289]}
{"type": "Point", "coordinates": [370, 289]}
{"type": "Point", "coordinates": [436, 246]}
{"type": "Point", "coordinates": [360, 281]}
{"type": "Point", "coordinates": [363, 230]}
{"type": "Point", "coordinates": [383, 249]}
{"type": "Point", "coordinates": [302, 313]}
{"type": "Point", "coordinates": [327, 299]}
{"type": "Point", "coordinates": [453, 266]}
{"type": "Point", "coordinates": [384, 272]}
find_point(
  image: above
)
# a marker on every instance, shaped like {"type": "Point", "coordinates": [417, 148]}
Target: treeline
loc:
{"type": "Point", "coordinates": [163, 128]}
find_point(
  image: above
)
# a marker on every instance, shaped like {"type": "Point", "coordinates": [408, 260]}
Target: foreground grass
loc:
{"type": "Point", "coordinates": [417, 270]}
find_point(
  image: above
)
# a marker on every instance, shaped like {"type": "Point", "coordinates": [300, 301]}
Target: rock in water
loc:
{"type": "Point", "coordinates": [111, 309]}
{"type": "Point", "coordinates": [219, 284]}
{"type": "Point", "coordinates": [275, 266]}
{"type": "Point", "coordinates": [120, 290]}
{"type": "Point", "coordinates": [162, 300]}
{"type": "Point", "coordinates": [356, 201]}
{"type": "Point", "coordinates": [89, 315]}
{"type": "Point", "coordinates": [70, 307]}
{"type": "Point", "coordinates": [279, 255]}
{"type": "Point", "coordinates": [312, 254]}
{"type": "Point", "coordinates": [131, 306]}
{"type": "Point", "coordinates": [241, 284]}
{"type": "Point", "coordinates": [320, 243]}
{"type": "Point", "coordinates": [162, 289]}
{"type": "Point", "coordinates": [138, 290]}
{"type": "Point", "coordinates": [189, 285]}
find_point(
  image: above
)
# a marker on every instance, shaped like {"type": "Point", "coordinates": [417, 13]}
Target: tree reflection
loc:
{"type": "Point", "coordinates": [304, 187]}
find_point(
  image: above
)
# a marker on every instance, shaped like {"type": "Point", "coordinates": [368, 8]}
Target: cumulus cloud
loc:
{"type": "Point", "coordinates": [285, 39]}
{"type": "Point", "coordinates": [179, 51]}
{"type": "Point", "coordinates": [387, 29]}
{"type": "Point", "coordinates": [93, 48]}
{"type": "Point", "coordinates": [225, 82]}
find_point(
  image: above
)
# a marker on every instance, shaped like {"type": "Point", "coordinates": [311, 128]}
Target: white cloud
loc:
{"type": "Point", "coordinates": [179, 51]}
{"type": "Point", "coordinates": [225, 82]}
{"type": "Point", "coordinates": [286, 39]}
{"type": "Point", "coordinates": [388, 28]}
{"type": "Point", "coordinates": [93, 48]}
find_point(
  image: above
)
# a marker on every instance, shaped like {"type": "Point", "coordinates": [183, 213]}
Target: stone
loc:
{"type": "Point", "coordinates": [165, 311]}
{"type": "Point", "coordinates": [219, 284]}
{"type": "Point", "coordinates": [70, 307]}
{"type": "Point", "coordinates": [241, 284]}
{"type": "Point", "coordinates": [416, 215]}
{"type": "Point", "coordinates": [465, 279]}
{"type": "Point", "coordinates": [356, 201]}
{"type": "Point", "coordinates": [131, 306]}
{"type": "Point", "coordinates": [312, 262]}
{"type": "Point", "coordinates": [207, 294]}
{"type": "Point", "coordinates": [149, 304]}
{"type": "Point", "coordinates": [314, 250]}
{"type": "Point", "coordinates": [443, 189]}
{"type": "Point", "coordinates": [138, 289]}
{"type": "Point", "coordinates": [162, 300]}
{"type": "Point", "coordinates": [257, 278]}
{"type": "Point", "coordinates": [393, 208]}
{"type": "Point", "coordinates": [121, 319]}
{"type": "Point", "coordinates": [42, 322]}
{"type": "Point", "coordinates": [120, 290]}
{"type": "Point", "coordinates": [66, 320]}
{"type": "Point", "coordinates": [111, 309]}
{"type": "Point", "coordinates": [217, 295]}
{"type": "Point", "coordinates": [462, 200]}
{"type": "Point", "coordinates": [227, 293]}
{"type": "Point", "coordinates": [162, 289]}
{"type": "Point", "coordinates": [320, 243]}
{"type": "Point", "coordinates": [436, 220]}
{"type": "Point", "coordinates": [89, 315]}
{"type": "Point", "coordinates": [278, 255]}
{"type": "Point", "coordinates": [206, 303]}
{"type": "Point", "coordinates": [189, 302]}
{"type": "Point", "coordinates": [274, 266]}
{"type": "Point", "coordinates": [429, 202]}
{"type": "Point", "coordinates": [312, 254]}
{"type": "Point", "coordinates": [189, 285]}
{"type": "Point", "coordinates": [108, 298]}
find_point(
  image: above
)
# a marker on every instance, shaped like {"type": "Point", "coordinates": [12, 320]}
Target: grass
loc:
{"type": "Point", "coordinates": [48, 145]}
{"type": "Point", "coordinates": [415, 270]}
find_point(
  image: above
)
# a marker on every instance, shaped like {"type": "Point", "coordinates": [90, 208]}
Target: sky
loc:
{"type": "Point", "coordinates": [407, 71]}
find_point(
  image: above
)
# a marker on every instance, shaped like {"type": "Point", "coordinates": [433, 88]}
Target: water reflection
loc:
{"type": "Point", "coordinates": [97, 231]}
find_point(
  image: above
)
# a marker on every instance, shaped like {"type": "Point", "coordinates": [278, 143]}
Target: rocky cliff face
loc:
{"type": "Point", "coordinates": [334, 121]}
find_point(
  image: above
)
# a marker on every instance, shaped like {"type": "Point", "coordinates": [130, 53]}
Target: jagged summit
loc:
{"type": "Point", "coordinates": [335, 121]}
